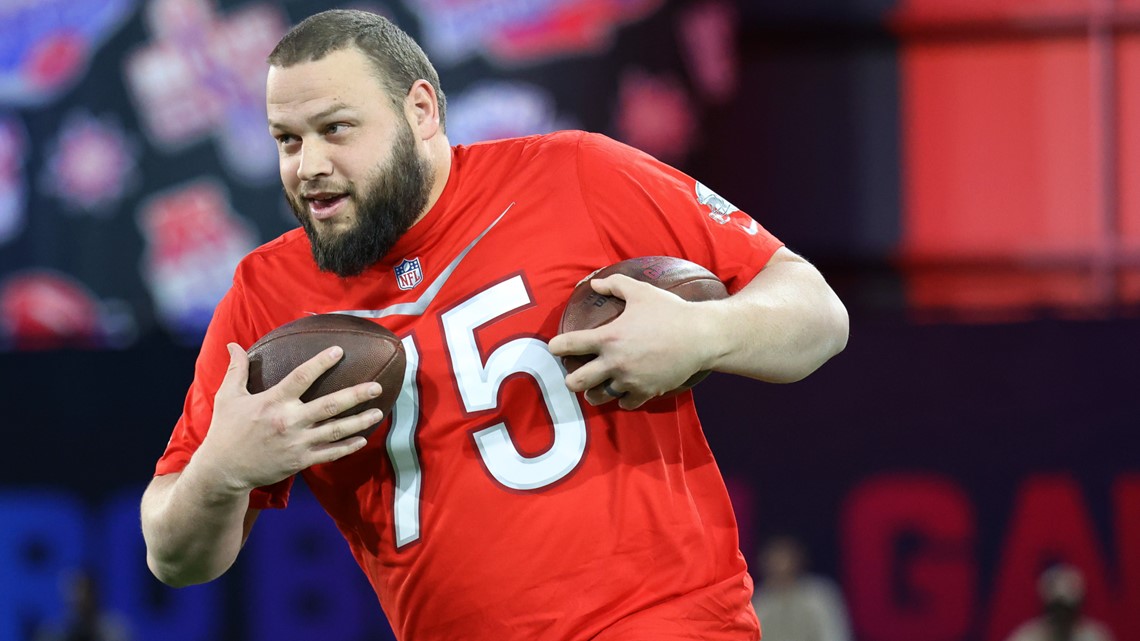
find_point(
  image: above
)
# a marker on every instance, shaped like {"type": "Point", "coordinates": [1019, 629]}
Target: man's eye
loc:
{"type": "Point", "coordinates": [335, 128]}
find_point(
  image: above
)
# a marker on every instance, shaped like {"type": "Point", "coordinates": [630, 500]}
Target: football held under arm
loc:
{"type": "Point", "coordinates": [781, 323]}
{"type": "Point", "coordinates": [195, 521]}
{"type": "Point", "coordinates": [779, 328]}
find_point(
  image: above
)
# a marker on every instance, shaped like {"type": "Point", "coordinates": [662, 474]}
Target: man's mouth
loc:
{"type": "Point", "coordinates": [325, 205]}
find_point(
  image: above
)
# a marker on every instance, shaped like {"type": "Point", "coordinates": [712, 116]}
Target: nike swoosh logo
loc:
{"type": "Point", "coordinates": [421, 304]}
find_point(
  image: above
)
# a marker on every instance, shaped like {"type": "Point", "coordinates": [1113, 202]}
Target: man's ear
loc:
{"type": "Point", "coordinates": [422, 108]}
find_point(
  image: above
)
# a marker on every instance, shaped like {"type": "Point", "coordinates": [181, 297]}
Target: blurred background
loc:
{"type": "Point", "coordinates": [963, 171]}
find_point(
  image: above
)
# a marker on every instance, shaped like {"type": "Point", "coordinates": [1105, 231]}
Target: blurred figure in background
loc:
{"type": "Point", "coordinates": [85, 620]}
{"type": "Point", "coordinates": [1062, 591]}
{"type": "Point", "coordinates": [794, 605]}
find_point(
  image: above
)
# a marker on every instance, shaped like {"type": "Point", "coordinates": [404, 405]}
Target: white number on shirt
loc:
{"type": "Point", "coordinates": [402, 451]}
{"type": "Point", "coordinates": [479, 384]}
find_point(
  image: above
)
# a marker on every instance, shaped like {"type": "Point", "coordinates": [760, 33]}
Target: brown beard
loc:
{"type": "Point", "coordinates": [395, 197]}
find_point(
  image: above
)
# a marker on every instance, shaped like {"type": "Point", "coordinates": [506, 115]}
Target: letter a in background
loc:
{"type": "Point", "coordinates": [1050, 524]}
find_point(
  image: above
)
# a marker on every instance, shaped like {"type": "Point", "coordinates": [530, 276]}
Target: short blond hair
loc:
{"type": "Point", "coordinates": [398, 59]}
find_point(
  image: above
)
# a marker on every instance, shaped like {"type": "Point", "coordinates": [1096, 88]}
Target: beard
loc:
{"type": "Point", "coordinates": [393, 198]}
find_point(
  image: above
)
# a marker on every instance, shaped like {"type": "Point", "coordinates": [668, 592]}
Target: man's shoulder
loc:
{"type": "Point", "coordinates": [289, 249]}
{"type": "Point", "coordinates": [555, 149]}
{"type": "Point", "coordinates": [562, 141]}
{"type": "Point", "coordinates": [564, 137]}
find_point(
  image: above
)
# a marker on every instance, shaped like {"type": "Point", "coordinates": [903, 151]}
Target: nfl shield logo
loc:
{"type": "Point", "coordinates": [408, 273]}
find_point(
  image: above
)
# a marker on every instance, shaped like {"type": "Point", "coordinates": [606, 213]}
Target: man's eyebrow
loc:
{"type": "Point", "coordinates": [321, 115]}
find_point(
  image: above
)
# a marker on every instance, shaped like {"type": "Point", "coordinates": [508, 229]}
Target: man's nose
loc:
{"type": "Point", "coordinates": [315, 161]}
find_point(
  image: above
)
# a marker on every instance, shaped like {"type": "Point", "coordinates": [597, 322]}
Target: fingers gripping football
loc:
{"type": "Point", "coordinates": [631, 331]}
{"type": "Point", "coordinates": [259, 439]}
{"type": "Point", "coordinates": [634, 365]}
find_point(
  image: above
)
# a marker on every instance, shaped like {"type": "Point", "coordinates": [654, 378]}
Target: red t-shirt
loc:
{"type": "Point", "coordinates": [494, 503]}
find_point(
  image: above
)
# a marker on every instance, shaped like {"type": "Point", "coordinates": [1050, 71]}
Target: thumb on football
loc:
{"type": "Point", "coordinates": [237, 373]}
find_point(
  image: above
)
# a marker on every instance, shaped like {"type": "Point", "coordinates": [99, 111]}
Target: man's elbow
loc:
{"type": "Point", "coordinates": [177, 575]}
{"type": "Point", "coordinates": [166, 574]}
{"type": "Point", "coordinates": [830, 339]}
{"type": "Point", "coordinates": [838, 329]}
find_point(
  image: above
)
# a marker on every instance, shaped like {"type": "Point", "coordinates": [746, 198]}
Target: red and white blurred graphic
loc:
{"type": "Point", "coordinates": [44, 309]}
{"type": "Point", "coordinates": [13, 191]}
{"type": "Point", "coordinates": [1019, 151]}
{"type": "Point", "coordinates": [194, 242]}
{"type": "Point", "coordinates": [656, 116]}
{"type": "Point", "coordinates": [48, 44]}
{"type": "Point", "coordinates": [517, 32]}
{"type": "Point", "coordinates": [204, 75]}
{"type": "Point", "coordinates": [708, 35]}
{"type": "Point", "coordinates": [90, 164]}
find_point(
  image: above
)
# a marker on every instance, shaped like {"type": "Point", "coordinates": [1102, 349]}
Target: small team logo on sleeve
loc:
{"type": "Point", "coordinates": [720, 207]}
{"type": "Point", "coordinates": [720, 210]}
{"type": "Point", "coordinates": [409, 274]}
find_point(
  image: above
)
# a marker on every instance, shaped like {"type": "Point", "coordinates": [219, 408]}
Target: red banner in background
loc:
{"type": "Point", "coordinates": [1019, 135]}
{"type": "Point", "coordinates": [911, 557]}
{"type": "Point", "coordinates": [995, 16]}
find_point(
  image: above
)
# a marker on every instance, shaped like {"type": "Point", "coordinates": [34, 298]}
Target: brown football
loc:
{"type": "Point", "coordinates": [371, 353]}
{"type": "Point", "coordinates": [587, 309]}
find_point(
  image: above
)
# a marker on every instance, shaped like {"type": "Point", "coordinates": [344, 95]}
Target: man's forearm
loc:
{"type": "Point", "coordinates": [193, 530]}
{"type": "Point", "coordinates": [782, 326]}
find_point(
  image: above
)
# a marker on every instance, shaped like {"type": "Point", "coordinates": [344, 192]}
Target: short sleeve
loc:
{"type": "Point", "coordinates": [230, 323]}
{"type": "Point", "coordinates": [641, 207]}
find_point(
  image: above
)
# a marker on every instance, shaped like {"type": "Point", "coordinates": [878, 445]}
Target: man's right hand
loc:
{"type": "Point", "coordinates": [259, 439]}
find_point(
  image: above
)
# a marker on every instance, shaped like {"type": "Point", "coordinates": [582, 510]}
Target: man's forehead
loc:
{"type": "Point", "coordinates": [314, 110]}
{"type": "Point", "coordinates": [346, 61]}
{"type": "Point", "coordinates": [311, 90]}
{"type": "Point", "coordinates": [329, 75]}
